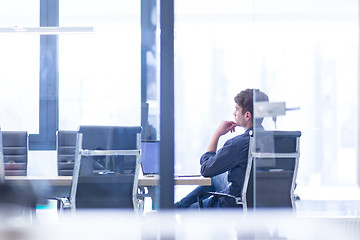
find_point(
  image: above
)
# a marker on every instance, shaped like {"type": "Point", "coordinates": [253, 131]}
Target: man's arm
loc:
{"type": "Point", "coordinates": [223, 128]}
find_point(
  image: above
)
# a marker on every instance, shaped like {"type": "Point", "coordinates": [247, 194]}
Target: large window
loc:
{"type": "Point", "coordinates": [19, 64]}
{"type": "Point", "coordinates": [99, 74]}
{"type": "Point", "coordinates": [297, 51]}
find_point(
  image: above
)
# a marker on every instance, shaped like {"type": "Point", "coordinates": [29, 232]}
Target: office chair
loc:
{"type": "Point", "coordinates": [65, 146]}
{"type": "Point", "coordinates": [272, 165]}
{"type": "Point", "coordinates": [107, 163]}
{"type": "Point", "coordinates": [14, 202]}
{"type": "Point", "coordinates": [15, 152]}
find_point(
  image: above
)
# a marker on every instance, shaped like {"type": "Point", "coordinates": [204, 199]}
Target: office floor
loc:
{"type": "Point", "coordinates": [314, 218]}
{"type": "Point", "coordinates": [230, 224]}
{"type": "Point", "coordinates": [342, 201]}
{"type": "Point", "coordinates": [303, 208]}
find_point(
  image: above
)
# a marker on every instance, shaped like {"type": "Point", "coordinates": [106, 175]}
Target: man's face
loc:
{"type": "Point", "coordinates": [239, 117]}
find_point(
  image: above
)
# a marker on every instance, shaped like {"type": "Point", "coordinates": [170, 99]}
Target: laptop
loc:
{"type": "Point", "coordinates": [150, 155]}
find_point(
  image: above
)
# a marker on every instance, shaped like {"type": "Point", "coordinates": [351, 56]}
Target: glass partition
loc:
{"type": "Point", "coordinates": [306, 60]}
{"type": "Point", "coordinates": [98, 81]}
{"type": "Point", "coordinates": [213, 62]}
{"type": "Point", "coordinates": [299, 53]}
{"type": "Point", "coordinates": [302, 54]}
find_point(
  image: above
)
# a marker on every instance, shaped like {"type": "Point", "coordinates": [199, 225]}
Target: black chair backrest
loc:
{"type": "Point", "coordinates": [109, 137]}
{"type": "Point", "coordinates": [66, 143]}
{"type": "Point", "coordinates": [15, 152]}
{"type": "Point", "coordinates": [107, 181]}
{"type": "Point", "coordinates": [13, 161]}
{"type": "Point", "coordinates": [275, 165]}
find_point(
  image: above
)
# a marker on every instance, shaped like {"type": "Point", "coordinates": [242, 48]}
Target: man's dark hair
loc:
{"type": "Point", "coordinates": [245, 99]}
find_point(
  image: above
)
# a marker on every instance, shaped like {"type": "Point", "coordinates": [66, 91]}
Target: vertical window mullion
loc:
{"type": "Point", "coordinates": [48, 77]}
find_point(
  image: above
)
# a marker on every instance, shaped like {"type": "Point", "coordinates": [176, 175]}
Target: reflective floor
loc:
{"type": "Point", "coordinates": [218, 224]}
{"type": "Point", "coordinates": [317, 216]}
{"type": "Point", "coordinates": [311, 220]}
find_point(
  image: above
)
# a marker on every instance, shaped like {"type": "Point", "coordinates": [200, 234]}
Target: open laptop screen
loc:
{"type": "Point", "coordinates": [150, 154]}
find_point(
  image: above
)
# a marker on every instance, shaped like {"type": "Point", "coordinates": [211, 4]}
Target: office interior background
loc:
{"type": "Point", "coordinates": [302, 52]}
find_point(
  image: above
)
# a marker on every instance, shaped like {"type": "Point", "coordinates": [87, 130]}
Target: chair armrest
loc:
{"type": "Point", "coordinates": [65, 203]}
{"type": "Point", "coordinates": [62, 203]}
{"type": "Point", "coordinates": [238, 200]}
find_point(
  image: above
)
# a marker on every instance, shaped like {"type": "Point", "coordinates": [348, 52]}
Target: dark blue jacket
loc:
{"type": "Point", "coordinates": [232, 157]}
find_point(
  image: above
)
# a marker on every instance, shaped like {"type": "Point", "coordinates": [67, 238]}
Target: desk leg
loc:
{"type": "Point", "coordinates": [153, 192]}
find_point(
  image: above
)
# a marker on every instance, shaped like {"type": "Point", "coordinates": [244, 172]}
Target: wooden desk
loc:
{"type": "Point", "coordinates": [148, 181]}
{"type": "Point", "coordinates": [51, 181]}
{"type": "Point", "coordinates": [63, 181]}
{"type": "Point", "coordinates": [59, 186]}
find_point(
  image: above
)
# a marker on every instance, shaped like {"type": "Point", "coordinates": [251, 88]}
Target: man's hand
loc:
{"type": "Point", "coordinates": [225, 127]}
{"type": "Point", "coordinates": [222, 129]}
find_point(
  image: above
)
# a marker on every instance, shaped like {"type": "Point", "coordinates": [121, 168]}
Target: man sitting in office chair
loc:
{"type": "Point", "coordinates": [227, 166]}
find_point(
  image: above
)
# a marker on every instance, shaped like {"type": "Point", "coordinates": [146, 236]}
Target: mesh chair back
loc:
{"type": "Point", "coordinates": [106, 167]}
{"type": "Point", "coordinates": [275, 157]}
{"type": "Point", "coordinates": [66, 144]}
{"type": "Point", "coordinates": [15, 152]}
